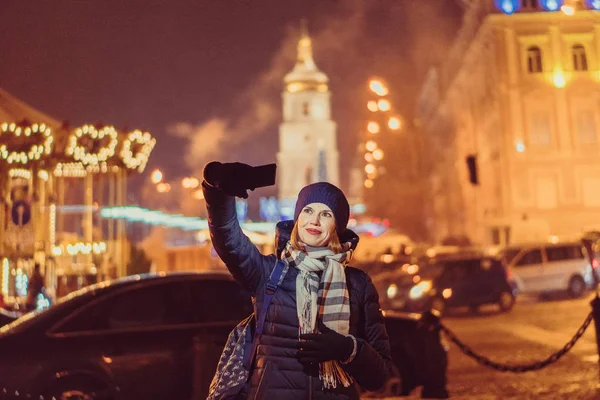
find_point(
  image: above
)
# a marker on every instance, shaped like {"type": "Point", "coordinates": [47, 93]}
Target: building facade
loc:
{"type": "Point", "coordinates": [307, 136]}
{"type": "Point", "coordinates": [518, 95]}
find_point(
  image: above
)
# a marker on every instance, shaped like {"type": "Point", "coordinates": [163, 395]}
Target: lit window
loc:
{"type": "Point", "coordinates": [534, 60]}
{"type": "Point", "coordinates": [579, 58]}
{"type": "Point", "coordinates": [586, 127]}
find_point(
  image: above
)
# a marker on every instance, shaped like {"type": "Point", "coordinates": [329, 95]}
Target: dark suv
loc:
{"type": "Point", "coordinates": [451, 281]}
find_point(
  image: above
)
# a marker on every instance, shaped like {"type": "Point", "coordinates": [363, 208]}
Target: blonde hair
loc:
{"type": "Point", "coordinates": [334, 240]}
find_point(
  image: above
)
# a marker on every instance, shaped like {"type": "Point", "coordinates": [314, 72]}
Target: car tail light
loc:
{"type": "Point", "coordinates": [595, 264]}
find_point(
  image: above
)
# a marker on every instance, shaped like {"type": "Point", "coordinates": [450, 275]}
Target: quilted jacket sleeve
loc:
{"type": "Point", "coordinates": [373, 362]}
{"type": "Point", "coordinates": [247, 265]}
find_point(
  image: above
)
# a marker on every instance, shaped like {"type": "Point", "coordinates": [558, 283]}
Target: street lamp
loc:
{"type": "Point", "coordinates": [163, 188]}
{"type": "Point", "coordinates": [371, 145]}
{"type": "Point", "coordinates": [156, 176]}
{"type": "Point", "coordinates": [373, 127]}
{"type": "Point", "coordinates": [384, 105]}
{"type": "Point", "coordinates": [372, 106]}
{"type": "Point", "coordinates": [394, 123]}
{"type": "Point", "coordinates": [378, 154]}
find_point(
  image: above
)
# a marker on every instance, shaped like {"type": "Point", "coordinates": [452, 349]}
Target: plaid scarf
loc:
{"type": "Point", "coordinates": [326, 296]}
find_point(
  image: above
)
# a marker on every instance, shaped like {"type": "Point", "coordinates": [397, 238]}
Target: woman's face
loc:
{"type": "Point", "coordinates": [315, 225]}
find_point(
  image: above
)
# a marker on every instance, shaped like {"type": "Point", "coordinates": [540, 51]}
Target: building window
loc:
{"type": "Point", "coordinates": [546, 193]}
{"type": "Point", "coordinates": [306, 109]}
{"type": "Point", "coordinates": [540, 134]}
{"type": "Point", "coordinates": [534, 60]}
{"type": "Point", "coordinates": [579, 58]}
{"type": "Point", "coordinates": [586, 127]}
{"type": "Point", "coordinates": [591, 191]}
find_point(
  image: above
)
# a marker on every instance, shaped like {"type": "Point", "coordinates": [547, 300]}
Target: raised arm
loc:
{"type": "Point", "coordinates": [247, 265]}
{"type": "Point", "coordinates": [373, 362]}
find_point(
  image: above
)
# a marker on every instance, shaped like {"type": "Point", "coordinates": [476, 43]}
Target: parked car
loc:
{"type": "Point", "coordinates": [160, 336]}
{"type": "Point", "coordinates": [457, 280]}
{"type": "Point", "coordinates": [551, 267]}
{"type": "Point", "coordinates": [8, 316]}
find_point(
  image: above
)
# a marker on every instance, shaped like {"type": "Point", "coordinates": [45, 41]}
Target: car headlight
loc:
{"type": "Point", "coordinates": [392, 291]}
{"type": "Point", "coordinates": [419, 289]}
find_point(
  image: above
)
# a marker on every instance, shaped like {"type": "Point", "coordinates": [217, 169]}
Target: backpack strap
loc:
{"type": "Point", "coordinates": [275, 280]}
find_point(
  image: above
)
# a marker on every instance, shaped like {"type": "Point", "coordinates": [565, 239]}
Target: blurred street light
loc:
{"type": "Point", "coordinates": [384, 105]}
{"type": "Point", "coordinates": [190, 183]}
{"type": "Point", "coordinates": [378, 154]}
{"type": "Point", "coordinates": [369, 157]}
{"type": "Point", "coordinates": [373, 127]}
{"type": "Point", "coordinates": [163, 188]}
{"type": "Point", "coordinates": [372, 106]}
{"type": "Point", "coordinates": [568, 9]}
{"type": "Point", "coordinates": [369, 168]}
{"type": "Point", "coordinates": [559, 79]}
{"type": "Point", "coordinates": [156, 176]}
{"type": "Point", "coordinates": [371, 145]}
{"type": "Point", "coordinates": [372, 175]}
{"type": "Point", "coordinates": [199, 194]}
{"type": "Point", "coordinates": [368, 183]}
{"type": "Point", "coordinates": [378, 87]}
{"type": "Point", "coordinates": [394, 123]}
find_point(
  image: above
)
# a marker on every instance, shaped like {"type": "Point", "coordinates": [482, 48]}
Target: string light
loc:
{"type": "Point", "coordinates": [140, 159]}
{"type": "Point", "coordinates": [79, 248]}
{"type": "Point", "coordinates": [52, 224]}
{"type": "Point", "coordinates": [70, 170]}
{"type": "Point", "coordinates": [5, 276]}
{"type": "Point", "coordinates": [80, 153]}
{"type": "Point", "coordinates": [20, 173]}
{"type": "Point", "coordinates": [372, 106]}
{"type": "Point", "coordinates": [35, 152]}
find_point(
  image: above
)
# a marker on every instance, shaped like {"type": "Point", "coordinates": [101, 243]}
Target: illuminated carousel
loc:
{"type": "Point", "coordinates": [54, 180]}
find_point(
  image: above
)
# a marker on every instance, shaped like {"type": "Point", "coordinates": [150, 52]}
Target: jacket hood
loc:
{"type": "Point", "coordinates": [283, 232]}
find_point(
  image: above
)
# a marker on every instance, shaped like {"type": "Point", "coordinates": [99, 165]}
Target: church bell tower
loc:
{"type": "Point", "coordinates": [307, 136]}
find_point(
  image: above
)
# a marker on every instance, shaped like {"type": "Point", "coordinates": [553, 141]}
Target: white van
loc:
{"type": "Point", "coordinates": [550, 267]}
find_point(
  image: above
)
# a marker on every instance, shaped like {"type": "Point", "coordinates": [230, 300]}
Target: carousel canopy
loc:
{"type": "Point", "coordinates": [14, 110]}
{"type": "Point", "coordinates": [30, 139]}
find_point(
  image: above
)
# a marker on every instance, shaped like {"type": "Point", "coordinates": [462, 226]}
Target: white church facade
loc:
{"type": "Point", "coordinates": [308, 150]}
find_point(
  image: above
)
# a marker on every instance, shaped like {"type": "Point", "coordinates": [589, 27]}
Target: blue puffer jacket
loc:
{"type": "Point", "coordinates": [278, 375]}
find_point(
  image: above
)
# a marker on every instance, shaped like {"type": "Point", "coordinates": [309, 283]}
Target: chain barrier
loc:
{"type": "Point", "coordinates": [535, 366]}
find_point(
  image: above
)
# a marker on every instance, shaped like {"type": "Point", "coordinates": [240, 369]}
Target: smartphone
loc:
{"type": "Point", "coordinates": [263, 175]}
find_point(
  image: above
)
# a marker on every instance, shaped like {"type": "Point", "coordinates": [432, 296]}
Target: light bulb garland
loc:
{"type": "Point", "coordinates": [140, 158]}
{"type": "Point", "coordinates": [81, 157]}
{"type": "Point", "coordinates": [35, 152]}
{"type": "Point", "coordinates": [80, 153]}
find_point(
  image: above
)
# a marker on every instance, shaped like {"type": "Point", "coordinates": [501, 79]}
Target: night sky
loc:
{"type": "Point", "coordinates": [205, 76]}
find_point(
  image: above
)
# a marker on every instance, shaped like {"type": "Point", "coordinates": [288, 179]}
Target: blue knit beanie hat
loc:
{"type": "Point", "coordinates": [331, 196]}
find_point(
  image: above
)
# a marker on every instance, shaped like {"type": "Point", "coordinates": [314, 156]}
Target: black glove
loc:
{"type": "Point", "coordinates": [233, 179]}
{"type": "Point", "coordinates": [325, 346]}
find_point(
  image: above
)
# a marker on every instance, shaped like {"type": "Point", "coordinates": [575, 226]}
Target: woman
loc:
{"type": "Point", "coordinates": [324, 330]}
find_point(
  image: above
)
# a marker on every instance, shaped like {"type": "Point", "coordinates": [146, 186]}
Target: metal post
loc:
{"type": "Point", "coordinates": [596, 314]}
